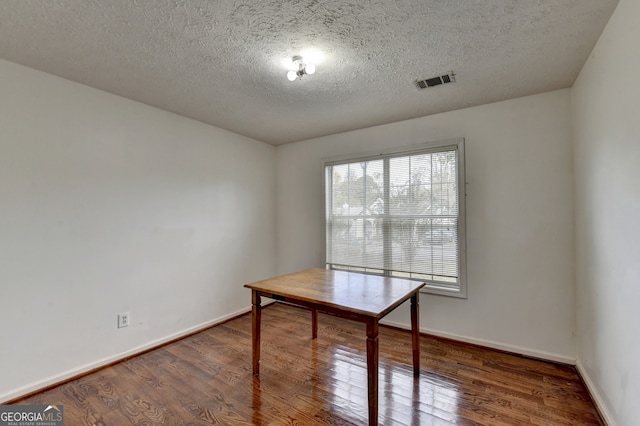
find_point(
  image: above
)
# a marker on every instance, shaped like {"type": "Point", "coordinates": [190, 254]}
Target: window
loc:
{"type": "Point", "coordinates": [400, 214]}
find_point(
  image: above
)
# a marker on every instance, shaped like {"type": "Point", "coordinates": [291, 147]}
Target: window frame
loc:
{"type": "Point", "coordinates": [429, 147]}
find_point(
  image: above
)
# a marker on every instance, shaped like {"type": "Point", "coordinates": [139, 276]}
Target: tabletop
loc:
{"type": "Point", "coordinates": [363, 294]}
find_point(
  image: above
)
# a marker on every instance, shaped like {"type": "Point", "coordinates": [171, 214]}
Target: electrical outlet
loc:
{"type": "Point", "coordinates": [123, 320]}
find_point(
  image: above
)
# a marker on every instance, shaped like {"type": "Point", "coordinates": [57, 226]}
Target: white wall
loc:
{"type": "Point", "coordinates": [519, 219]}
{"type": "Point", "coordinates": [107, 206]}
{"type": "Point", "coordinates": [606, 115]}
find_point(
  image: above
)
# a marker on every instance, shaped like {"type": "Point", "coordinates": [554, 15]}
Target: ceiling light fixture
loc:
{"type": "Point", "coordinates": [300, 69]}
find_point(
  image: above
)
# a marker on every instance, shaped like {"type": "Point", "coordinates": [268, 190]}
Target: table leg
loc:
{"type": "Point", "coordinates": [256, 317]}
{"type": "Point", "coordinates": [314, 323]}
{"type": "Point", "coordinates": [415, 333]}
{"type": "Point", "coordinates": [372, 370]}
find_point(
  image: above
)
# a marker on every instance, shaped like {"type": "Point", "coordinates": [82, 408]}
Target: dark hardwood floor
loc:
{"type": "Point", "coordinates": [206, 379]}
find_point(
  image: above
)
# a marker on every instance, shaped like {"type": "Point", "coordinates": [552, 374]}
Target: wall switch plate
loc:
{"type": "Point", "coordinates": [123, 320]}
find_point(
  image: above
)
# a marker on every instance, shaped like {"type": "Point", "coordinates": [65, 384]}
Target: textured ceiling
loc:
{"type": "Point", "coordinates": [222, 62]}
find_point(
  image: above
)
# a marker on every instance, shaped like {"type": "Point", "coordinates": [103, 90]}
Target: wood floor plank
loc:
{"type": "Point", "coordinates": [207, 378]}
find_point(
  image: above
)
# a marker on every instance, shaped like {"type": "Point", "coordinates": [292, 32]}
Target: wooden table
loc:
{"type": "Point", "coordinates": [359, 297]}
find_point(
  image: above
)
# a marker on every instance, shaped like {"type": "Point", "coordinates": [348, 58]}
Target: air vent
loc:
{"type": "Point", "coordinates": [435, 81]}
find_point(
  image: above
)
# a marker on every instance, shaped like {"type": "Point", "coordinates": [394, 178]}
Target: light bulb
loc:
{"type": "Point", "coordinates": [292, 75]}
{"type": "Point", "coordinates": [310, 69]}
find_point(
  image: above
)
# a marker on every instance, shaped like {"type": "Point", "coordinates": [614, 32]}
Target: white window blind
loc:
{"type": "Point", "coordinates": [399, 215]}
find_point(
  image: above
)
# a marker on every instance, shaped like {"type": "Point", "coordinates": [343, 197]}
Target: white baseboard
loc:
{"type": "Point", "coordinates": [602, 407]}
{"type": "Point", "coordinates": [58, 378]}
{"type": "Point", "coordinates": [32, 387]}
{"type": "Point", "coordinates": [565, 359]}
